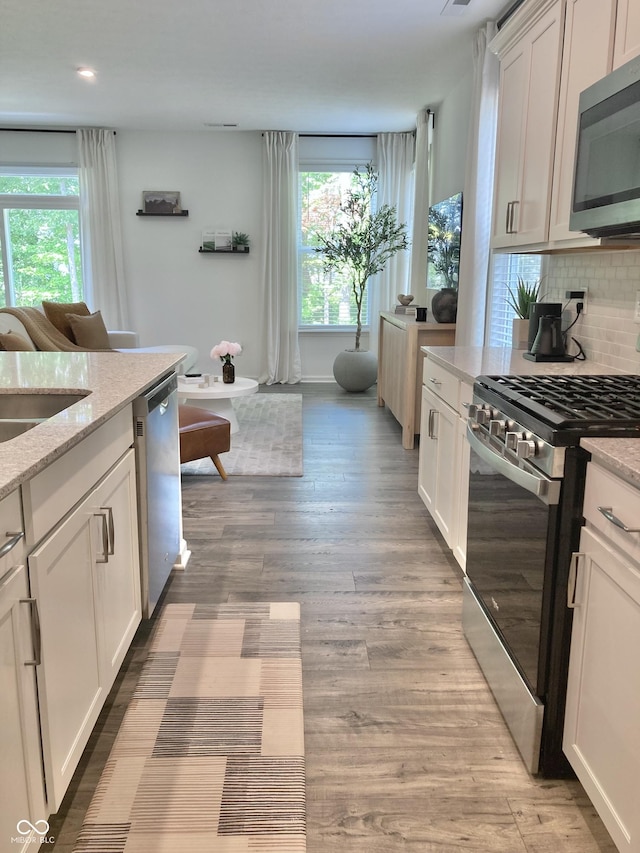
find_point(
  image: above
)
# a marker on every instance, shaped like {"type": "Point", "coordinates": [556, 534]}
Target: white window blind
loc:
{"type": "Point", "coordinates": [505, 270]}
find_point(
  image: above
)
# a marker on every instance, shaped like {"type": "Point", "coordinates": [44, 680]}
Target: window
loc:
{"type": "Point", "coordinates": [505, 271]}
{"type": "Point", "coordinates": [325, 298]}
{"type": "Point", "coordinates": [39, 236]}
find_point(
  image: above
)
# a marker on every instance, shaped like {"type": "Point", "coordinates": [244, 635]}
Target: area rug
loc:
{"type": "Point", "coordinates": [268, 442]}
{"type": "Point", "coordinates": [210, 753]}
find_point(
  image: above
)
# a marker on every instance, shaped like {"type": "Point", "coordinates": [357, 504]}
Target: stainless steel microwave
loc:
{"type": "Point", "coordinates": [606, 187]}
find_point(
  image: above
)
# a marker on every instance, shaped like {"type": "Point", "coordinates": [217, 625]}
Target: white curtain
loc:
{"type": "Point", "coordinates": [102, 259]}
{"type": "Point", "coordinates": [478, 194]}
{"type": "Point", "coordinates": [395, 156]}
{"type": "Point", "coordinates": [280, 352]}
{"type": "Point", "coordinates": [420, 232]}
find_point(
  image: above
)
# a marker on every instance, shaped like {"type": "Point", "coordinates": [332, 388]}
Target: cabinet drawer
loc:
{"type": "Point", "coordinates": [604, 489]}
{"type": "Point", "coordinates": [11, 524]}
{"type": "Point", "coordinates": [441, 382]}
{"type": "Point", "coordinates": [53, 492]}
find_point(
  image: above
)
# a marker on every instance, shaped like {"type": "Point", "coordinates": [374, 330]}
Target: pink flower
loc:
{"type": "Point", "coordinates": [225, 350]}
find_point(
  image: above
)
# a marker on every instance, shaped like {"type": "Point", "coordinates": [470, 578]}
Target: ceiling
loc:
{"type": "Point", "coordinates": [315, 66]}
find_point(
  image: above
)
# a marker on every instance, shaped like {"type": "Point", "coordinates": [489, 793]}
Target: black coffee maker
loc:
{"type": "Point", "coordinates": [545, 340]}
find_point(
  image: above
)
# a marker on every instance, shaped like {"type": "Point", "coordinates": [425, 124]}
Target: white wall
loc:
{"type": "Point", "coordinates": [181, 296]}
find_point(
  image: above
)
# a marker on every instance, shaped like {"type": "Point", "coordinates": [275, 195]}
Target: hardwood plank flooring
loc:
{"type": "Point", "coordinates": [405, 747]}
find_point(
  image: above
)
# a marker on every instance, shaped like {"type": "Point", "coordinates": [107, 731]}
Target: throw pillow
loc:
{"type": "Point", "coordinates": [13, 342]}
{"type": "Point", "coordinates": [56, 313]}
{"type": "Point", "coordinates": [89, 331]}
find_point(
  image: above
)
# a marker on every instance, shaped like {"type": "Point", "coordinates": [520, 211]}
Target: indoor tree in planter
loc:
{"type": "Point", "coordinates": [359, 246]}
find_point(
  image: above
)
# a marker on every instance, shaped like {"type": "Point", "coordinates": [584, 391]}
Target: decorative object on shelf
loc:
{"type": "Point", "coordinates": [359, 246]}
{"type": "Point", "coordinates": [161, 203]}
{"type": "Point", "coordinates": [225, 351]}
{"type": "Point", "coordinates": [405, 298]}
{"type": "Point", "coordinates": [240, 241]}
{"type": "Point", "coordinates": [445, 229]}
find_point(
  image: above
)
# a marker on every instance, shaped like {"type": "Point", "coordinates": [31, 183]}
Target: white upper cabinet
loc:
{"type": "Point", "coordinates": [550, 51]}
{"type": "Point", "coordinates": [627, 41]}
{"type": "Point", "coordinates": [529, 52]}
{"type": "Point", "coordinates": [587, 57]}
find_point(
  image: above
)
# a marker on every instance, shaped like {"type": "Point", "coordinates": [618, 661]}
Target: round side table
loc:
{"type": "Point", "coordinates": [217, 396]}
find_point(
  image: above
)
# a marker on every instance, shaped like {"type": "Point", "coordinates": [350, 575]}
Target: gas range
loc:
{"type": "Point", "coordinates": [535, 417]}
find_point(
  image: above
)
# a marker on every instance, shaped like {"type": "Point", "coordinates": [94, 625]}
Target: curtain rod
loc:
{"type": "Point", "coordinates": [37, 130]}
{"type": "Point", "coordinates": [34, 130]}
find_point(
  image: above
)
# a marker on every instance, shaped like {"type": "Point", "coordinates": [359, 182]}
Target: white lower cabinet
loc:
{"type": "Point", "coordinates": [85, 578]}
{"type": "Point", "coordinates": [602, 728]}
{"type": "Point", "coordinates": [436, 483]}
{"type": "Point", "coordinates": [22, 808]}
{"type": "Point", "coordinates": [443, 470]}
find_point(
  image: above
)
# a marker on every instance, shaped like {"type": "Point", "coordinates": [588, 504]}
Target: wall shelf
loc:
{"type": "Point", "coordinates": [222, 252]}
{"type": "Point", "coordinates": [164, 215]}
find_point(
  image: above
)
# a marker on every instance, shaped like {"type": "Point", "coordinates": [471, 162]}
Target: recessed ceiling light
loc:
{"type": "Point", "coordinates": [89, 73]}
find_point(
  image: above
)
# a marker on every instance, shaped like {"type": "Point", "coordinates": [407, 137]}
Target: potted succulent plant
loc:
{"type": "Point", "coordinates": [360, 246]}
{"type": "Point", "coordinates": [526, 293]}
{"type": "Point", "coordinates": [240, 241]}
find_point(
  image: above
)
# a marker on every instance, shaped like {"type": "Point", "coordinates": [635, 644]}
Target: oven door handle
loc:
{"type": "Point", "coordinates": [542, 487]}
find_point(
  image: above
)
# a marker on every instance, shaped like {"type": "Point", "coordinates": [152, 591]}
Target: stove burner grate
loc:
{"type": "Point", "coordinates": [573, 401]}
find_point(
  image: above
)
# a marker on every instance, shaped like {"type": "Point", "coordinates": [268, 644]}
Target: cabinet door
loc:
{"type": "Point", "coordinates": [428, 454]}
{"type": "Point", "coordinates": [117, 572]}
{"type": "Point", "coordinates": [602, 733]}
{"type": "Point", "coordinates": [513, 72]}
{"type": "Point", "coordinates": [21, 782]}
{"type": "Point", "coordinates": [437, 462]}
{"type": "Point", "coordinates": [627, 43]}
{"type": "Point", "coordinates": [61, 572]}
{"type": "Point", "coordinates": [586, 57]}
{"type": "Point", "coordinates": [528, 106]}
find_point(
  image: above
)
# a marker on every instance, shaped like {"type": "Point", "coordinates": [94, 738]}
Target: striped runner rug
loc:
{"type": "Point", "coordinates": [210, 753]}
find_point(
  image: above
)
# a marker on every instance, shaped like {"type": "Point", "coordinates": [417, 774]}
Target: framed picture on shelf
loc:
{"type": "Point", "coordinates": [161, 202]}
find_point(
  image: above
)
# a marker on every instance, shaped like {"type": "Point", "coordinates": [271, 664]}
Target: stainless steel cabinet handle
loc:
{"type": "Point", "coordinates": [607, 511]}
{"type": "Point", "coordinates": [573, 580]}
{"type": "Point", "coordinates": [432, 419]}
{"type": "Point", "coordinates": [36, 634]}
{"type": "Point", "coordinates": [511, 216]}
{"type": "Point", "coordinates": [11, 543]}
{"type": "Point", "coordinates": [434, 380]}
{"type": "Point", "coordinates": [111, 529]}
{"type": "Point", "coordinates": [508, 218]}
{"type": "Point", "coordinates": [104, 557]}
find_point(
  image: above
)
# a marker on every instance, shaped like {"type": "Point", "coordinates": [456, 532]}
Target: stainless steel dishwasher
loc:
{"type": "Point", "coordinates": [158, 474]}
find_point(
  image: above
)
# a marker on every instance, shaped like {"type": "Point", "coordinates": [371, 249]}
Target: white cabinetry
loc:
{"type": "Point", "coordinates": [586, 57]}
{"type": "Point", "coordinates": [21, 784]}
{"type": "Point", "coordinates": [529, 53]}
{"type": "Point", "coordinates": [627, 43]}
{"type": "Point", "coordinates": [443, 472]}
{"type": "Point", "coordinates": [602, 733]}
{"type": "Point", "coordinates": [85, 578]}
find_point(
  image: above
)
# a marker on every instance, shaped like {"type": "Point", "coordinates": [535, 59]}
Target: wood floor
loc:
{"type": "Point", "coordinates": [405, 748]}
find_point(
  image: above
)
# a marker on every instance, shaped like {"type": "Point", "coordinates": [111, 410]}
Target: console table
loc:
{"type": "Point", "coordinates": [400, 362]}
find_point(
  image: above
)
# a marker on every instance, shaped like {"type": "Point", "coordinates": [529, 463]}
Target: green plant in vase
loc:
{"type": "Point", "coordinates": [526, 293]}
{"type": "Point", "coordinates": [240, 241]}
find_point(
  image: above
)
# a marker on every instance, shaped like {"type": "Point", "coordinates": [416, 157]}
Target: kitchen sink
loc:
{"type": "Point", "coordinates": [36, 406]}
{"type": "Point", "coordinates": [12, 429]}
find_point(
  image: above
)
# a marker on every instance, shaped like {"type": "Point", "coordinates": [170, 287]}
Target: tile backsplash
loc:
{"type": "Point", "coordinates": [607, 332]}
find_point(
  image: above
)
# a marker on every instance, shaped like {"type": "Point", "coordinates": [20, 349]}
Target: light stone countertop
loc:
{"type": "Point", "coordinates": [619, 455]}
{"type": "Point", "coordinates": [468, 362]}
{"type": "Point", "coordinates": [113, 380]}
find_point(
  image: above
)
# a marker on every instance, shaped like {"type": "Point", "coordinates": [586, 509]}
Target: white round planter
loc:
{"type": "Point", "coordinates": [355, 370]}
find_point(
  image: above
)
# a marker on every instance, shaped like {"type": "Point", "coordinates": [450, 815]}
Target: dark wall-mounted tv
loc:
{"type": "Point", "coordinates": [445, 232]}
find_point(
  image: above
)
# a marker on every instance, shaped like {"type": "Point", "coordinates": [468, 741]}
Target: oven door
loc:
{"type": "Point", "coordinates": [511, 544]}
